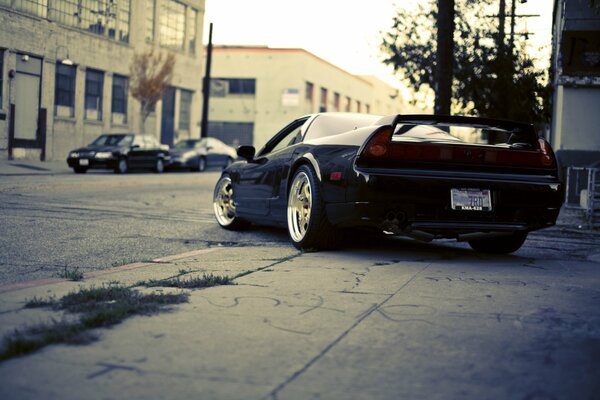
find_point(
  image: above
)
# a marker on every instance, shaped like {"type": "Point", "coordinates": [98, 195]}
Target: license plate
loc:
{"type": "Point", "coordinates": [471, 199]}
{"type": "Point", "coordinates": [84, 161]}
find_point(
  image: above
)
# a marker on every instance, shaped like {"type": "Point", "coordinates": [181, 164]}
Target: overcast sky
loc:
{"type": "Point", "coordinates": [346, 33]}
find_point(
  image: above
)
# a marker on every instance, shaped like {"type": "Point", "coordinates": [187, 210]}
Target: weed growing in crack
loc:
{"type": "Point", "coordinates": [72, 274]}
{"type": "Point", "coordinates": [97, 307]}
{"type": "Point", "coordinates": [126, 261]}
{"type": "Point", "coordinates": [206, 280]}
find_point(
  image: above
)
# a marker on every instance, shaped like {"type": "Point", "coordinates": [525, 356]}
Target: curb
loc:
{"type": "Point", "coordinates": [94, 274]}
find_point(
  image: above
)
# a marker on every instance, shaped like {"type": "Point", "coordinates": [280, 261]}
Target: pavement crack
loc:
{"type": "Point", "coordinates": [375, 307]}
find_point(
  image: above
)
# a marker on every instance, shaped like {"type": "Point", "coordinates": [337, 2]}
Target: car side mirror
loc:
{"type": "Point", "coordinates": [246, 152]}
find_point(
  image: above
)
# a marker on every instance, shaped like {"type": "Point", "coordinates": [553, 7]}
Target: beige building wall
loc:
{"type": "Point", "coordinates": [281, 89]}
{"type": "Point", "coordinates": [22, 32]}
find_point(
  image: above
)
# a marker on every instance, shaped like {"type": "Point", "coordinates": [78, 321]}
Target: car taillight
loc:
{"type": "Point", "coordinates": [379, 144]}
{"type": "Point", "coordinates": [547, 158]}
{"type": "Point", "coordinates": [381, 148]}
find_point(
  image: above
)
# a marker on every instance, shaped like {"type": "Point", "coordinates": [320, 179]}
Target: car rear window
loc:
{"type": "Point", "coordinates": [332, 124]}
{"type": "Point", "coordinates": [504, 136]}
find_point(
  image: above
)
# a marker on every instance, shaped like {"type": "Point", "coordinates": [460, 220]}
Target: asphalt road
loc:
{"type": "Point", "coordinates": [99, 220]}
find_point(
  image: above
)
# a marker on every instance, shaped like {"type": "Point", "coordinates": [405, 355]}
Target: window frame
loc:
{"type": "Point", "coordinates": [115, 107]}
{"type": "Point", "coordinates": [88, 96]}
{"type": "Point", "coordinates": [72, 77]}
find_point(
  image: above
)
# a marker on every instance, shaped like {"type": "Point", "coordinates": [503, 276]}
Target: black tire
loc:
{"type": "Point", "coordinates": [309, 228]}
{"type": "Point", "coordinates": [500, 244]}
{"type": "Point", "coordinates": [159, 166]}
{"type": "Point", "coordinates": [122, 166]}
{"type": "Point", "coordinates": [201, 165]}
{"type": "Point", "coordinates": [80, 170]}
{"type": "Point", "coordinates": [224, 205]}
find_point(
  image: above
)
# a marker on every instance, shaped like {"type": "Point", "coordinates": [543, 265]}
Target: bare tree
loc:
{"type": "Point", "coordinates": [150, 74]}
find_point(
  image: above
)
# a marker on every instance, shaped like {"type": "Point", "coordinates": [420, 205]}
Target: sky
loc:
{"type": "Point", "coordinates": [346, 33]}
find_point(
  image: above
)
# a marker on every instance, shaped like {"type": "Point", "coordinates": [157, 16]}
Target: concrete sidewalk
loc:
{"type": "Point", "coordinates": [33, 167]}
{"type": "Point", "coordinates": [418, 321]}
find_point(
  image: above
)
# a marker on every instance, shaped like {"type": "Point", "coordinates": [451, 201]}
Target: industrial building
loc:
{"type": "Point", "coordinates": [64, 71]}
{"type": "Point", "coordinates": [257, 90]}
{"type": "Point", "coordinates": [65, 66]}
{"type": "Point", "coordinates": [575, 130]}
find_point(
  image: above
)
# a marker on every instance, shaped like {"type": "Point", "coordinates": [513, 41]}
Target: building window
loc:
{"type": "Point", "coordinates": [368, 108]}
{"type": "Point", "coordinates": [221, 87]}
{"type": "Point", "coordinates": [172, 25]}
{"type": "Point", "coordinates": [64, 93]}
{"type": "Point", "coordinates": [358, 106]}
{"type": "Point", "coordinates": [109, 18]}
{"type": "Point", "coordinates": [119, 99]}
{"type": "Point", "coordinates": [242, 86]}
{"type": "Point", "coordinates": [94, 82]}
{"type": "Point", "coordinates": [336, 101]}
{"type": "Point", "coordinates": [185, 105]}
{"type": "Point", "coordinates": [310, 91]}
{"type": "Point", "coordinates": [348, 104]}
{"type": "Point", "coordinates": [323, 103]}
{"type": "Point", "coordinates": [192, 27]}
{"type": "Point", "coordinates": [150, 15]}
{"type": "Point", "coordinates": [123, 21]}
{"type": "Point", "coordinates": [34, 7]}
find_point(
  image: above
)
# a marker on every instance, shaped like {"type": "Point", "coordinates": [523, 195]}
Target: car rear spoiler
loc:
{"type": "Point", "coordinates": [428, 119]}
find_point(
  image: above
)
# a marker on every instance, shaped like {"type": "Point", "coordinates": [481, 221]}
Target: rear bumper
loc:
{"type": "Point", "coordinates": [422, 203]}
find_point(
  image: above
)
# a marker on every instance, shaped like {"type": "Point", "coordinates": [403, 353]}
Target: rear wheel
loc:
{"type": "Point", "coordinates": [159, 166]}
{"type": "Point", "coordinates": [499, 245]}
{"type": "Point", "coordinates": [224, 205]}
{"type": "Point", "coordinates": [80, 170]}
{"type": "Point", "coordinates": [121, 167]}
{"type": "Point", "coordinates": [308, 226]}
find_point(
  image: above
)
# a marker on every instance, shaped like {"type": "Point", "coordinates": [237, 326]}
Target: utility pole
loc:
{"type": "Point", "coordinates": [206, 86]}
{"type": "Point", "coordinates": [501, 28]}
{"type": "Point", "coordinates": [444, 57]}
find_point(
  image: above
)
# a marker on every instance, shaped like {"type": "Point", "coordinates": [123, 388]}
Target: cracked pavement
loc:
{"type": "Point", "coordinates": [383, 322]}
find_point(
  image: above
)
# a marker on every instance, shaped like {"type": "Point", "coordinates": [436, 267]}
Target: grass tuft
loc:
{"type": "Point", "coordinates": [72, 274]}
{"type": "Point", "coordinates": [98, 307]}
{"type": "Point", "coordinates": [206, 280]}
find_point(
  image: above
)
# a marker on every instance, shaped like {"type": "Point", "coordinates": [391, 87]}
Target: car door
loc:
{"type": "Point", "coordinates": [135, 156]}
{"type": "Point", "coordinates": [259, 181]}
{"type": "Point", "coordinates": [214, 156]}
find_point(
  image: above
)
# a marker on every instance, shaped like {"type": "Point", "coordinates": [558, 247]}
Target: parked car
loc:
{"type": "Point", "coordinates": [199, 154]}
{"type": "Point", "coordinates": [120, 152]}
{"type": "Point", "coordinates": [484, 181]}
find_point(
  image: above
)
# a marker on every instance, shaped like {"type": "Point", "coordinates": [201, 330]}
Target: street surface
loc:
{"type": "Point", "coordinates": [98, 220]}
{"type": "Point", "coordinates": [377, 319]}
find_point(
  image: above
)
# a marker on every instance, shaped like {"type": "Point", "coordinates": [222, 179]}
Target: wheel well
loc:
{"type": "Point", "coordinates": [298, 164]}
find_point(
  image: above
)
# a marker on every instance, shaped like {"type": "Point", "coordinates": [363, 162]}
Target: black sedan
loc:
{"type": "Point", "coordinates": [120, 152]}
{"type": "Point", "coordinates": [199, 154]}
{"type": "Point", "coordinates": [484, 181]}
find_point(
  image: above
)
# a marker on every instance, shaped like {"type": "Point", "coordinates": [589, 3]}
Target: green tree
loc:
{"type": "Point", "coordinates": [150, 74]}
{"type": "Point", "coordinates": [487, 81]}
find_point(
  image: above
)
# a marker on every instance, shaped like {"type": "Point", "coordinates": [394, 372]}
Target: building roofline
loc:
{"type": "Point", "coordinates": [267, 49]}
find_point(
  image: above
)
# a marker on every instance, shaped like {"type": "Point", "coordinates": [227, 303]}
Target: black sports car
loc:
{"type": "Point", "coordinates": [120, 152]}
{"type": "Point", "coordinates": [484, 181]}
